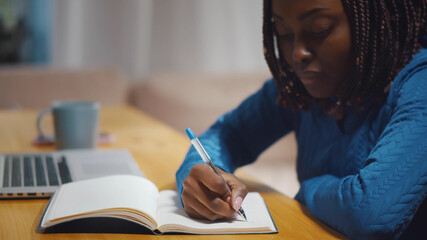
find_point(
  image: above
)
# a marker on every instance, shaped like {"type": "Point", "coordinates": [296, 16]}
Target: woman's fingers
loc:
{"type": "Point", "coordinates": [238, 190]}
{"type": "Point", "coordinates": [200, 199]}
{"type": "Point", "coordinates": [201, 211]}
{"type": "Point", "coordinates": [213, 182]}
{"type": "Point", "coordinates": [206, 195]}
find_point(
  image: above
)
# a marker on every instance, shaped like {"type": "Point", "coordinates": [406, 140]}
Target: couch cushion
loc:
{"type": "Point", "coordinates": [37, 87]}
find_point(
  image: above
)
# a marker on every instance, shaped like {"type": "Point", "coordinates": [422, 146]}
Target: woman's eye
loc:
{"type": "Point", "coordinates": [321, 34]}
{"type": "Point", "coordinates": [287, 36]}
{"type": "Point", "coordinates": [283, 33]}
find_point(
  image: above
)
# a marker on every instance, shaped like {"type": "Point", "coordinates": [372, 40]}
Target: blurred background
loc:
{"type": "Point", "coordinates": [139, 37]}
{"type": "Point", "coordinates": [184, 62]}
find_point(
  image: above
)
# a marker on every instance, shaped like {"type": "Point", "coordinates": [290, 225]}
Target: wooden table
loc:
{"type": "Point", "coordinates": [159, 150]}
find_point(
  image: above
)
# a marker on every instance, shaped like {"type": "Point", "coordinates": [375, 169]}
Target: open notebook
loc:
{"type": "Point", "coordinates": [138, 200]}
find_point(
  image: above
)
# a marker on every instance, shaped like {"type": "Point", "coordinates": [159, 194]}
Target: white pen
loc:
{"type": "Point", "coordinates": [205, 157]}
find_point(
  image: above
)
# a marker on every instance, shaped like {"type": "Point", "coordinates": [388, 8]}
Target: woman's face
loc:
{"type": "Point", "coordinates": [314, 37]}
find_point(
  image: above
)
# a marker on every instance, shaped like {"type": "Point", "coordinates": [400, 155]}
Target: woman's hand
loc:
{"type": "Point", "coordinates": [206, 196]}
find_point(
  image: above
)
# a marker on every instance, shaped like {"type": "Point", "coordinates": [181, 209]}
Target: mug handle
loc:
{"type": "Point", "coordinates": [39, 119]}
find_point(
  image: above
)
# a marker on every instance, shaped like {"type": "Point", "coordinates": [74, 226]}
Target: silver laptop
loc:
{"type": "Point", "coordinates": [38, 175]}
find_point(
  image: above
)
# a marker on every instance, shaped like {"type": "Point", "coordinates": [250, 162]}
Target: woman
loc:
{"type": "Point", "coordinates": [350, 78]}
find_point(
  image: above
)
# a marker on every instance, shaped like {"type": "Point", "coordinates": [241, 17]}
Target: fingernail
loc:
{"type": "Point", "coordinates": [237, 203]}
{"type": "Point", "coordinates": [228, 199]}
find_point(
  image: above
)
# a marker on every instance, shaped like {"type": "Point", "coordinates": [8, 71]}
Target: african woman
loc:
{"type": "Point", "coordinates": [350, 79]}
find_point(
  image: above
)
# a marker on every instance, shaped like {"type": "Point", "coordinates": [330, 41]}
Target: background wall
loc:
{"type": "Point", "coordinates": [167, 48]}
{"type": "Point", "coordinates": [143, 37]}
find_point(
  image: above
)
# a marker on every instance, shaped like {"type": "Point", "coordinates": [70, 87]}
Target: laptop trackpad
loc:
{"type": "Point", "coordinates": [102, 166]}
{"type": "Point", "coordinates": [105, 168]}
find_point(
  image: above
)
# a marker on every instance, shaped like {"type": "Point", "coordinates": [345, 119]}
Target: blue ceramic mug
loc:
{"type": "Point", "coordinates": [76, 123]}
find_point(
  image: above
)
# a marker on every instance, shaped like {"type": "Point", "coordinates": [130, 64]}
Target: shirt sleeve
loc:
{"type": "Point", "coordinates": [380, 201]}
{"type": "Point", "coordinates": [239, 136]}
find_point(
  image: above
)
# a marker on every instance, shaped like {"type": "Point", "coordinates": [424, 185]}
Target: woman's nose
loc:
{"type": "Point", "coordinates": [301, 54]}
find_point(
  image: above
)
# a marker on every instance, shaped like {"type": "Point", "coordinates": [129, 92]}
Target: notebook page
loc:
{"type": "Point", "coordinates": [118, 191]}
{"type": "Point", "coordinates": [172, 217]}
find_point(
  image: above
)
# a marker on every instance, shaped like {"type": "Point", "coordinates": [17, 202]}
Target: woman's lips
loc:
{"type": "Point", "coordinates": [309, 77]}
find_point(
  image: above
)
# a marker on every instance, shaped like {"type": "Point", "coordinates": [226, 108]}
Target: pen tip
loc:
{"type": "Point", "coordinates": [242, 214]}
{"type": "Point", "coordinates": [190, 134]}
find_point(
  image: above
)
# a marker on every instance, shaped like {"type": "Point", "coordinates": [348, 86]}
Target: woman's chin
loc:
{"type": "Point", "coordinates": [315, 93]}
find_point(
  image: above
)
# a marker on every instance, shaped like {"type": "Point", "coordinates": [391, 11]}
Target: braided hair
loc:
{"type": "Point", "coordinates": [385, 35]}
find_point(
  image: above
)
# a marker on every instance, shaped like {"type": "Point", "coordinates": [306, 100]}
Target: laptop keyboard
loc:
{"type": "Point", "coordinates": [35, 170]}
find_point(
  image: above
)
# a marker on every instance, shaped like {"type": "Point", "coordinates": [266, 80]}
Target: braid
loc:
{"type": "Point", "coordinates": [292, 91]}
{"type": "Point", "coordinates": [385, 35]}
